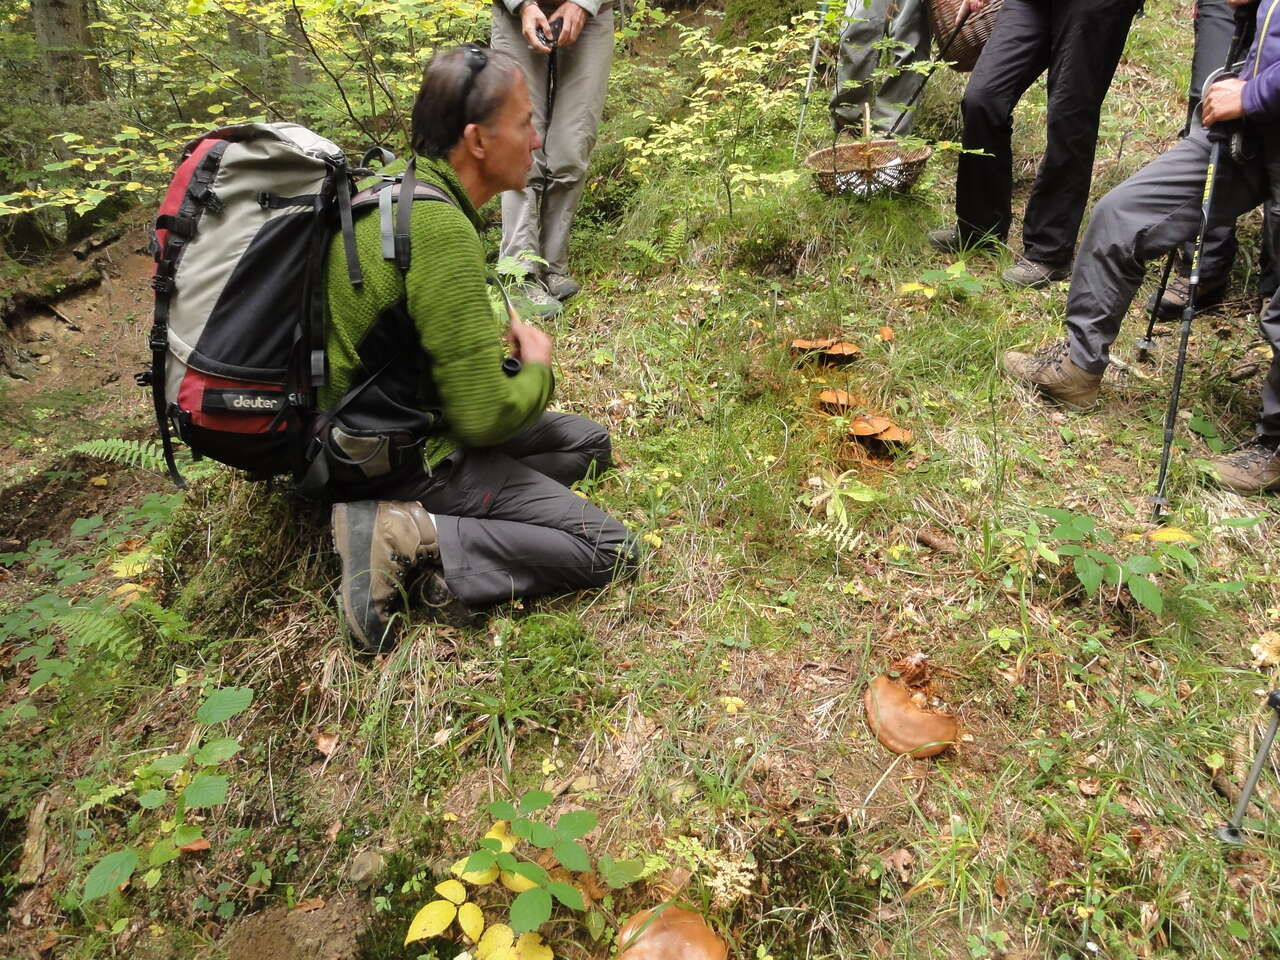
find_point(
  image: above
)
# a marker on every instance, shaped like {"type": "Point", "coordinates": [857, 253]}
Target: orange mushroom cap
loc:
{"type": "Point", "coordinates": [674, 934]}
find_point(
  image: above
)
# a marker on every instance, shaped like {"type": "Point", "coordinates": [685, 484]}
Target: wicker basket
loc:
{"type": "Point", "coordinates": [866, 168]}
{"type": "Point", "coordinates": [970, 41]}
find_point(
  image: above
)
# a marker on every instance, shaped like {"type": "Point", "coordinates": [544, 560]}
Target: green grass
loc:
{"type": "Point", "coordinates": [1077, 816]}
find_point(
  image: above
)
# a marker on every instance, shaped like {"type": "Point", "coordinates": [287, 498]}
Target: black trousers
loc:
{"type": "Point", "coordinates": [1079, 42]}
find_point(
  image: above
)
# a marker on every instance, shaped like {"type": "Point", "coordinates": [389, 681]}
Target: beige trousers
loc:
{"type": "Point", "coordinates": [536, 220]}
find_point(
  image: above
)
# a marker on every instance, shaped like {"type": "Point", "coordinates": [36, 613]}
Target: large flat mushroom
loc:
{"type": "Point", "coordinates": [904, 727]}
{"type": "Point", "coordinates": [673, 934]}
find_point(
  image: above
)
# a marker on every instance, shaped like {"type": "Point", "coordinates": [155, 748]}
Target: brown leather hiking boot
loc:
{"type": "Point", "coordinates": [1051, 371]}
{"type": "Point", "coordinates": [1032, 274]}
{"type": "Point", "coordinates": [380, 543]}
{"type": "Point", "coordinates": [1175, 297]}
{"type": "Point", "coordinates": [1253, 468]}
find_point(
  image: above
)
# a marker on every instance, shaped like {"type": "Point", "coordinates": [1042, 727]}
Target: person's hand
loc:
{"type": "Point", "coordinates": [1224, 101]}
{"type": "Point", "coordinates": [528, 343]}
{"type": "Point", "coordinates": [573, 18]}
{"type": "Point", "coordinates": [976, 6]}
{"type": "Point", "coordinates": [532, 19]}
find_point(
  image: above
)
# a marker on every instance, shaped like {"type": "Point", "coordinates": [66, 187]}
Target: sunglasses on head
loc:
{"type": "Point", "coordinates": [475, 59]}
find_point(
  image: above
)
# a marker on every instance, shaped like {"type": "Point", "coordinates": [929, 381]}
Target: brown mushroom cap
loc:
{"type": "Point", "coordinates": [675, 934]}
{"type": "Point", "coordinates": [904, 727]}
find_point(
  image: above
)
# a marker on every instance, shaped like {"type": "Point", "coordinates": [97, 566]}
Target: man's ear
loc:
{"type": "Point", "coordinates": [472, 142]}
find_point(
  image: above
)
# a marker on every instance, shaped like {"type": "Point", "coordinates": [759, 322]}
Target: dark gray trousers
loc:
{"type": "Point", "coordinates": [1148, 215]}
{"type": "Point", "coordinates": [509, 526]}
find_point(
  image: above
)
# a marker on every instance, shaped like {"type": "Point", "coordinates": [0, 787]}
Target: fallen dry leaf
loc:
{"type": "Point", "coordinates": [1001, 886]}
{"type": "Point", "coordinates": [901, 861]}
{"type": "Point", "coordinates": [311, 903]}
{"type": "Point", "coordinates": [198, 845]}
{"type": "Point", "coordinates": [99, 481]}
{"type": "Point", "coordinates": [48, 943]}
{"type": "Point", "coordinates": [326, 743]}
{"type": "Point", "coordinates": [1266, 652]}
{"type": "Point", "coordinates": [1089, 786]}
{"type": "Point", "coordinates": [886, 334]}
{"type": "Point", "coordinates": [334, 829]}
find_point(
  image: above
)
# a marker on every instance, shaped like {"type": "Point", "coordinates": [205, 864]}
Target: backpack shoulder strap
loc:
{"type": "Point", "coordinates": [393, 214]}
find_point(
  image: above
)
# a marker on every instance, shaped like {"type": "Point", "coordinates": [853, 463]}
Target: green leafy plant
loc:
{"type": "Point", "coordinates": [173, 785]}
{"type": "Point", "coordinates": [521, 825]}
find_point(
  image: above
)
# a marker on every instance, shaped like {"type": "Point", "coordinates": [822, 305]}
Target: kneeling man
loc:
{"type": "Point", "coordinates": [480, 511]}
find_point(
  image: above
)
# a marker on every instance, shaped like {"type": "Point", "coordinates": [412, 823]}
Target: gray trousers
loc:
{"type": "Point", "coordinates": [867, 21]}
{"type": "Point", "coordinates": [1148, 215]}
{"type": "Point", "coordinates": [537, 218]}
{"type": "Point", "coordinates": [508, 524]}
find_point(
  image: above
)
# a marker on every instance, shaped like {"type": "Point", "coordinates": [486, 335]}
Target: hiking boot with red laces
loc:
{"type": "Point", "coordinates": [380, 543]}
{"type": "Point", "coordinates": [1253, 468]}
{"type": "Point", "coordinates": [1052, 371]}
{"type": "Point", "coordinates": [1175, 297]}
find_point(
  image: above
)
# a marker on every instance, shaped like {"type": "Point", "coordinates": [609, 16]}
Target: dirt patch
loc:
{"type": "Point", "coordinates": [327, 933]}
{"type": "Point", "coordinates": [44, 507]}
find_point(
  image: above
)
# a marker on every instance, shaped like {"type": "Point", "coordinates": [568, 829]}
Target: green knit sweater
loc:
{"type": "Point", "coordinates": [455, 319]}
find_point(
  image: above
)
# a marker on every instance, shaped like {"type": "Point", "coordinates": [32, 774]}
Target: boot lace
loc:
{"type": "Point", "coordinates": [1050, 355]}
{"type": "Point", "coordinates": [1256, 453]}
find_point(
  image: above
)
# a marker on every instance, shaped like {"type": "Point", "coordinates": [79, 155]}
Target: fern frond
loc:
{"type": "Point", "coordinates": [673, 242]}
{"type": "Point", "coordinates": [134, 453]}
{"type": "Point", "coordinates": [106, 632]}
{"type": "Point", "coordinates": [646, 249]}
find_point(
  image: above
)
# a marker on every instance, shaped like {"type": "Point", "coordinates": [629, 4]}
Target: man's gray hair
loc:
{"type": "Point", "coordinates": [463, 85]}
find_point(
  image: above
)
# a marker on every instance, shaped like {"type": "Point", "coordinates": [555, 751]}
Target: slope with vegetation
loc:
{"type": "Point", "coordinates": [195, 764]}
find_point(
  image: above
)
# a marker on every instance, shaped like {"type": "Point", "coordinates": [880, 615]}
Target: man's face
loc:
{"type": "Point", "coordinates": [510, 139]}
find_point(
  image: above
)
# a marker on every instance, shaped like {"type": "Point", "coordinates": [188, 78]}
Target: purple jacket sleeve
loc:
{"type": "Point", "coordinates": [1261, 95]}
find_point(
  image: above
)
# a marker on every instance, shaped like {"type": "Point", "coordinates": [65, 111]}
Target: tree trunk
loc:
{"type": "Point", "coordinates": [62, 30]}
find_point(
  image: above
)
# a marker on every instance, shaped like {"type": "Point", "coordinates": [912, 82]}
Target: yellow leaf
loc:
{"type": "Point", "coordinates": [652, 539]}
{"type": "Point", "coordinates": [502, 834]}
{"type": "Point", "coordinates": [517, 883]}
{"type": "Point", "coordinates": [531, 947]}
{"type": "Point", "coordinates": [98, 481]}
{"type": "Point", "coordinates": [498, 937]}
{"type": "Point", "coordinates": [917, 288]}
{"type": "Point", "coordinates": [479, 877]}
{"type": "Point", "coordinates": [471, 920]}
{"type": "Point", "coordinates": [452, 891]}
{"type": "Point", "coordinates": [431, 921]}
{"type": "Point", "coordinates": [131, 565]}
{"type": "Point", "coordinates": [1171, 535]}
{"type": "Point", "coordinates": [502, 953]}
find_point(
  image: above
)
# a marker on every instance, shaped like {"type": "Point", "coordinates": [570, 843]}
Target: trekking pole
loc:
{"type": "Point", "coordinates": [924, 78]}
{"type": "Point", "coordinates": [1240, 37]}
{"type": "Point", "coordinates": [553, 81]}
{"type": "Point", "coordinates": [813, 68]}
{"type": "Point", "coordinates": [1231, 832]}
{"type": "Point", "coordinates": [1159, 502]}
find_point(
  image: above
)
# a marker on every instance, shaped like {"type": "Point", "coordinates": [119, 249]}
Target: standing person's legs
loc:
{"type": "Point", "coordinates": [1269, 419]}
{"type": "Point", "coordinates": [1088, 37]}
{"type": "Point", "coordinates": [1146, 216]}
{"type": "Point", "coordinates": [520, 216]}
{"type": "Point", "coordinates": [864, 24]}
{"type": "Point", "coordinates": [581, 85]}
{"type": "Point", "coordinates": [910, 27]}
{"type": "Point", "coordinates": [1016, 54]}
{"type": "Point", "coordinates": [1214, 26]}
